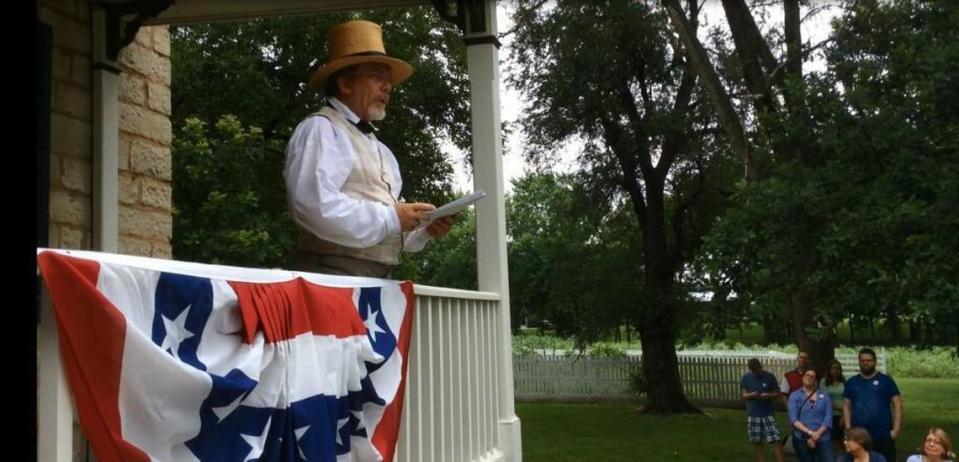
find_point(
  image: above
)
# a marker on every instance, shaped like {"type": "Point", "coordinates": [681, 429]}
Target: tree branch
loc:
{"type": "Point", "coordinates": [748, 49]}
{"type": "Point", "coordinates": [707, 74]}
{"type": "Point", "coordinates": [614, 141]}
{"type": "Point", "coordinates": [674, 139]}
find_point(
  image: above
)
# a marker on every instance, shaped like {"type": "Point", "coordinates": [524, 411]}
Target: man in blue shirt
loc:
{"type": "Point", "coordinates": [872, 400]}
{"type": "Point", "coordinates": [759, 388]}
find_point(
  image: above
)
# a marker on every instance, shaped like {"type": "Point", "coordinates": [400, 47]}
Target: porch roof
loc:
{"type": "Point", "coordinates": [187, 11]}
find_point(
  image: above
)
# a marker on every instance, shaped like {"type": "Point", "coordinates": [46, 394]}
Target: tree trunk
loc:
{"type": "Point", "coordinates": [657, 329]}
{"type": "Point", "coordinates": [915, 331]}
{"type": "Point", "coordinates": [666, 395]}
{"type": "Point", "coordinates": [772, 331]}
{"type": "Point", "coordinates": [820, 348]}
{"type": "Point", "coordinates": [852, 330]}
{"type": "Point", "coordinates": [892, 320]}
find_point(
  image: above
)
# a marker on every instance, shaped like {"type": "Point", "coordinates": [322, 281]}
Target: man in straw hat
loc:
{"type": "Point", "coordinates": [343, 185]}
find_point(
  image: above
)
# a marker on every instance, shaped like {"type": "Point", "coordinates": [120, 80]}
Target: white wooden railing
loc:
{"type": "Point", "coordinates": [450, 410]}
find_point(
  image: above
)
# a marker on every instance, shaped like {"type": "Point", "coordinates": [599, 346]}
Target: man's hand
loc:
{"type": "Point", "coordinates": [894, 434]}
{"type": "Point", "coordinates": [440, 227]}
{"type": "Point", "coordinates": [412, 214]}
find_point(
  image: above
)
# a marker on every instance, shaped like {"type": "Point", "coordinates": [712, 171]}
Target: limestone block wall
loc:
{"type": "Point", "coordinates": [145, 134]}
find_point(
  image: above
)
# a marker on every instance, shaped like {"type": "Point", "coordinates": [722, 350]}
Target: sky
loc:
{"type": "Point", "coordinates": [512, 103]}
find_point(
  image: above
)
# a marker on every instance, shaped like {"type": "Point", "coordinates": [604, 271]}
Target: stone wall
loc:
{"type": "Point", "coordinates": [146, 220]}
{"type": "Point", "coordinates": [145, 132]}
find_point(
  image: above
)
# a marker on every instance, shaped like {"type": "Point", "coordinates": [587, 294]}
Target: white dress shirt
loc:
{"type": "Point", "coordinates": [319, 158]}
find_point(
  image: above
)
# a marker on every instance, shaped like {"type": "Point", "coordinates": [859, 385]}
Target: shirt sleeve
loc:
{"type": "Point", "coordinates": [826, 403]}
{"type": "Point", "coordinates": [893, 388]}
{"type": "Point", "coordinates": [793, 408]}
{"type": "Point", "coordinates": [315, 170]}
{"type": "Point", "coordinates": [784, 386]}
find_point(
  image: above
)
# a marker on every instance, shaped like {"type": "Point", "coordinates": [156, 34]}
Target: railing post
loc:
{"type": "Point", "coordinates": [54, 408]}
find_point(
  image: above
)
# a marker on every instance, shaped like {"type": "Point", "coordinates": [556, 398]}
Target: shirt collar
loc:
{"type": "Point", "coordinates": [339, 106]}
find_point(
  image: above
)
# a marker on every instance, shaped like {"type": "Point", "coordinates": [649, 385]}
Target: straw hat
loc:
{"type": "Point", "coordinates": [357, 42]}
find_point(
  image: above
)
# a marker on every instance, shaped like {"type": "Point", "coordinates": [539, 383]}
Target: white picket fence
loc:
{"type": "Point", "coordinates": [707, 376]}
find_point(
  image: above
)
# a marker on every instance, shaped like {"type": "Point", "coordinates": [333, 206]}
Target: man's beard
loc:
{"type": "Point", "coordinates": [376, 112]}
{"type": "Point", "coordinates": [867, 371]}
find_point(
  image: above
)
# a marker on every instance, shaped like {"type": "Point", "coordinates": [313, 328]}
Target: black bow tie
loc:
{"type": "Point", "coordinates": [364, 127]}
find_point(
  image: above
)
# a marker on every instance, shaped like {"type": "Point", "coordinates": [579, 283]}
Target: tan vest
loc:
{"type": "Point", "coordinates": [370, 180]}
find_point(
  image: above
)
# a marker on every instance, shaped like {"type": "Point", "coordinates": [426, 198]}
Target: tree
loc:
{"type": "Point", "coordinates": [609, 74]}
{"type": "Point", "coordinates": [896, 63]}
{"type": "Point", "coordinates": [785, 134]}
{"type": "Point", "coordinates": [570, 263]}
{"type": "Point", "coordinates": [839, 219]}
{"type": "Point", "coordinates": [225, 210]}
{"type": "Point", "coordinates": [256, 71]}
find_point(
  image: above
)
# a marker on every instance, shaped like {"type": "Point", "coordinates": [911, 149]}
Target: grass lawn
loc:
{"type": "Point", "coordinates": [557, 432]}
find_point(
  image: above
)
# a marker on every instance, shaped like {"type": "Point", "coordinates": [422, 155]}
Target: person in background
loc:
{"type": "Point", "coordinates": [857, 443]}
{"type": "Point", "coordinates": [935, 447]}
{"type": "Point", "coordinates": [810, 415]}
{"type": "Point", "coordinates": [833, 383]}
{"type": "Point", "coordinates": [872, 400]}
{"type": "Point", "coordinates": [759, 389]}
{"type": "Point", "coordinates": [791, 382]}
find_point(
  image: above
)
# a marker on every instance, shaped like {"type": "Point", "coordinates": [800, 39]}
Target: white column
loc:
{"type": "Point", "coordinates": [106, 79]}
{"type": "Point", "coordinates": [54, 407]}
{"type": "Point", "coordinates": [483, 64]}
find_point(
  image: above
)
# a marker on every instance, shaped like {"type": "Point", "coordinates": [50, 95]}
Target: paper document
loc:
{"type": "Point", "coordinates": [455, 206]}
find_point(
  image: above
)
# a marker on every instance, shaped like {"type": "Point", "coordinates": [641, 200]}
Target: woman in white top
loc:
{"type": "Point", "coordinates": [936, 447]}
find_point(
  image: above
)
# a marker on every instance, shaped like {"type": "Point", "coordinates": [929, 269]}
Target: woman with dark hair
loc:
{"type": "Point", "coordinates": [833, 383]}
{"type": "Point", "coordinates": [810, 415]}
{"type": "Point", "coordinates": [857, 443]}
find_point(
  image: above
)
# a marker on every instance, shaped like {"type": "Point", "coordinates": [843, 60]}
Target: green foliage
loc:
{"type": "Point", "coordinates": [606, 350]}
{"type": "Point", "coordinates": [447, 262]}
{"type": "Point", "coordinates": [868, 232]}
{"type": "Point", "coordinates": [527, 344]}
{"type": "Point", "coordinates": [935, 362]}
{"type": "Point", "coordinates": [228, 209]}
{"type": "Point", "coordinates": [564, 255]}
